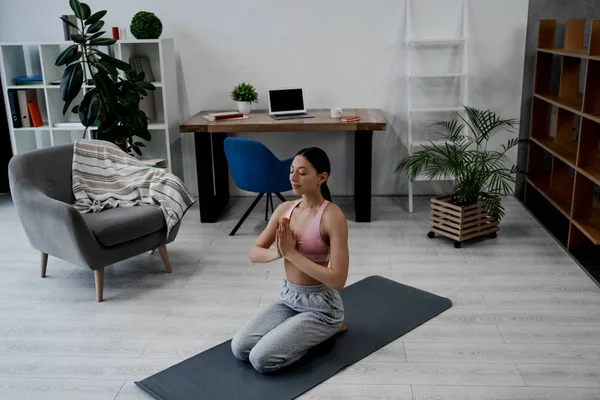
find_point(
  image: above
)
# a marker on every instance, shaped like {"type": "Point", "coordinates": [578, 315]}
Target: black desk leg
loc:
{"type": "Point", "coordinates": [213, 175]}
{"type": "Point", "coordinates": [363, 156]}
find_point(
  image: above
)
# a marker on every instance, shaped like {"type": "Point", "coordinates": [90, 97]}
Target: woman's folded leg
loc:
{"type": "Point", "coordinates": [258, 326]}
{"type": "Point", "coordinates": [289, 341]}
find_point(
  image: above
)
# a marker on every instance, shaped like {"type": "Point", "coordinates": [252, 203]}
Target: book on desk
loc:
{"type": "Point", "coordinates": [224, 116]}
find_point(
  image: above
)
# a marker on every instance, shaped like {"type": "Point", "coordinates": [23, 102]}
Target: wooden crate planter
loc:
{"type": "Point", "coordinates": [460, 223]}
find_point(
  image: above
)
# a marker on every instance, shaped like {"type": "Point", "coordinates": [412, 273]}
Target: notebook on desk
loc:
{"type": "Point", "coordinates": [287, 104]}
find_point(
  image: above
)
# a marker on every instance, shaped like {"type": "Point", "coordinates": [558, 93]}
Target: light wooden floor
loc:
{"type": "Point", "coordinates": [525, 322]}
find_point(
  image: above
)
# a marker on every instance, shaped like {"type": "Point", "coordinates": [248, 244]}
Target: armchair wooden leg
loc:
{"type": "Point", "coordinates": [99, 278]}
{"type": "Point", "coordinates": [44, 263]}
{"type": "Point", "coordinates": [165, 258]}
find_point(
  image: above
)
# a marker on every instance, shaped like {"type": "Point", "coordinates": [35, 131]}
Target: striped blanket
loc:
{"type": "Point", "coordinates": [104, 176]}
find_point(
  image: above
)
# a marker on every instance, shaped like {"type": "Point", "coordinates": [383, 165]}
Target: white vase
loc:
{"type": "Point", "coordinates": [244, 107]}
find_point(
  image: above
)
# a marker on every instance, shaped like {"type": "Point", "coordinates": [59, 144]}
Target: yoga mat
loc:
{"type": "Point", "coordinates": [377, 312]}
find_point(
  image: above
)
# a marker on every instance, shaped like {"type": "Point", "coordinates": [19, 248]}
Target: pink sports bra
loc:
{"type": "Point", "coordinates": [309, 243]}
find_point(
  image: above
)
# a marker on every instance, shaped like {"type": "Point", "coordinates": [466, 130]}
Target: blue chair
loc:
{"type": "Point", "coordinates": [256, 169]}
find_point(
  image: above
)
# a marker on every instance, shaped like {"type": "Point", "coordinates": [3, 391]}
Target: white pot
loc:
{"type": "Point", "coordinates": [244, 107]}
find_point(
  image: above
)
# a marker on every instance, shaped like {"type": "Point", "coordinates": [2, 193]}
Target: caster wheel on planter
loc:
{"type": "Point", "coordinates": [431, 235]}
{"type": "Point", "coordinates": [494, 235]}
{"type": "Point", "coordinates": [457, 245]}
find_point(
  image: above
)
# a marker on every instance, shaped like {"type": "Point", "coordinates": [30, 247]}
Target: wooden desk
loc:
{"type": "Point", "coordinates": [213, 172]}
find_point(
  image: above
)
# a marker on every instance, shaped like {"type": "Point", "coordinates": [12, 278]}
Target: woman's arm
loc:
{"type": "Point", "coordinates": [336, 275]}
{"type": "Point", "coordinates": [261, 251]}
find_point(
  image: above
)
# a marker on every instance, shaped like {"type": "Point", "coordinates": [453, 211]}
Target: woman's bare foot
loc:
{"type": "Point", "coordinates": [344, 328]}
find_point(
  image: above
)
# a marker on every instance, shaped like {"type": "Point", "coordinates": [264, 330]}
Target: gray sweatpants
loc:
{"type": "Point", "coordinates": [280, 334]}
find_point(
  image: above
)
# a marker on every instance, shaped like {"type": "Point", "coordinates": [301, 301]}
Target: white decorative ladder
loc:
{"type": "Point", "coordinates": [414, 44]}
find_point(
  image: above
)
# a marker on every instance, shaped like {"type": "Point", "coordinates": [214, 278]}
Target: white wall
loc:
{"type": "Point", "coordinates": [345, 53]}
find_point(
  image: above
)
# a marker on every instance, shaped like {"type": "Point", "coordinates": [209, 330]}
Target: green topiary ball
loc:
{"type": "Point", "coordinates": [145, 25]}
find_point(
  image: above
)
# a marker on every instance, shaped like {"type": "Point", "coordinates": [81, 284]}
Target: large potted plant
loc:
{"type": "Point", "coordinates": [478, 174]}
{"type": "Point", "coordinates": [113, 101]}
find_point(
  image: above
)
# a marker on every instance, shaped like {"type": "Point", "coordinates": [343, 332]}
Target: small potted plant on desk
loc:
{"type": "Point", "coordinates": [245, 95]}
{"type": "Point", "coordinates": [478, 175]}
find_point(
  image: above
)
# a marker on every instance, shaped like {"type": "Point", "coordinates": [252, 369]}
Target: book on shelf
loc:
{"type": "Point", "coordinates": [224, 115]}
{"type": "Point", "coordinates": [28, 80]}
{"type": "Point", "coordinates": [140, 64]}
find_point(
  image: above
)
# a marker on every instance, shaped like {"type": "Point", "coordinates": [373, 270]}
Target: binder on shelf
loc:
{"type": "Point", "coordinates": [34, 113]}
{"type": "Point", "coordinates": [25, 96]}
{"type": "Point", "coordinates": [13, 101]}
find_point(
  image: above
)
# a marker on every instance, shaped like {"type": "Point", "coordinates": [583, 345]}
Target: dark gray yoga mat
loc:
{"type": "Point", "coordinates": [378, 311]}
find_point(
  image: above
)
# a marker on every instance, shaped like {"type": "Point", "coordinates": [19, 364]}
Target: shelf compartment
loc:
{"type": "Point", "coordinates": [150, 49]}
{"type": "Point", "coordinates": [559, 199]}
{"type": "Point", "coordinates": [553, 129]}
{"type": "Point", "coordinates": [573, 105]}
{"type": "Point", "coordinates": [592, 90]}
{"type": "Point", "coordinates": [543, 81]}
{"type": "Point", "coordinates": [60, 137]}
{"type": "Point", "coordinates": [50, 53]}
{"type": "Point", "coordinates": [156, 147]}
{"type": "Point", "coordinates": [56, 108]}
{"type": "Point", "coordinates": [566, 152]}
{"type": "Point", "coordinates": [31, 95]}
{"type": "Point", "coordinates": [586, 209]}
{"type": "Point", "coordinates": [571, 78]}
{"type": "Point", "coordinates": [538, 161]}
{"type": "Point", "coordinates": [560, 51]}
{"type": "Point", "coordinates": [32, 139]}
{"type": "Point", "coordinates": [21, 60]}
{"type": "Point", "coordinates": [595, 38]}
{"type": "Point", "coordinates": [588, 162]}
{"type": "Point", "coordinates": [554, 220]}
{"type": "Point", "coordinates": [557, 186]}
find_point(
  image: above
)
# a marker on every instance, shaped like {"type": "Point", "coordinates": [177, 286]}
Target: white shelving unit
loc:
{"type": "Point", "coordinates": [37, 59]}
{"type": "Point", "coordinates": [447, 75]}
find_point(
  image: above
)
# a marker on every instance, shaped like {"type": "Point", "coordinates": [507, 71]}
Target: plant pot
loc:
{"type": "Point", "coordinates": [460, 223]}
{"type": "Point", "coordinates": [244, 107]}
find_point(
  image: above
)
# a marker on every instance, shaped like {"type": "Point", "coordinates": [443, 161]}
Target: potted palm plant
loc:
{"type": "Point", "coordinates": [478, 174]}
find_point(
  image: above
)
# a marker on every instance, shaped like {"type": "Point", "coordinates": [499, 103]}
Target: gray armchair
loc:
{"type": "Point", "coordinates": [40, 183]}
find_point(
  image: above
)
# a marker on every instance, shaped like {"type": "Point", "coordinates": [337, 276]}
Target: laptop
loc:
{"type": "Point", "coordinates": [287, 104]}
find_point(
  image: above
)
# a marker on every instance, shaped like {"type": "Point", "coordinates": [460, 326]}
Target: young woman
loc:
{"type": "Point", "coordinates": [311, 234]}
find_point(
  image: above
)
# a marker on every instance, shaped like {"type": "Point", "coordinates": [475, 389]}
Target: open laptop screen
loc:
{"type": "Point", "coordinates": [286, 100]}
